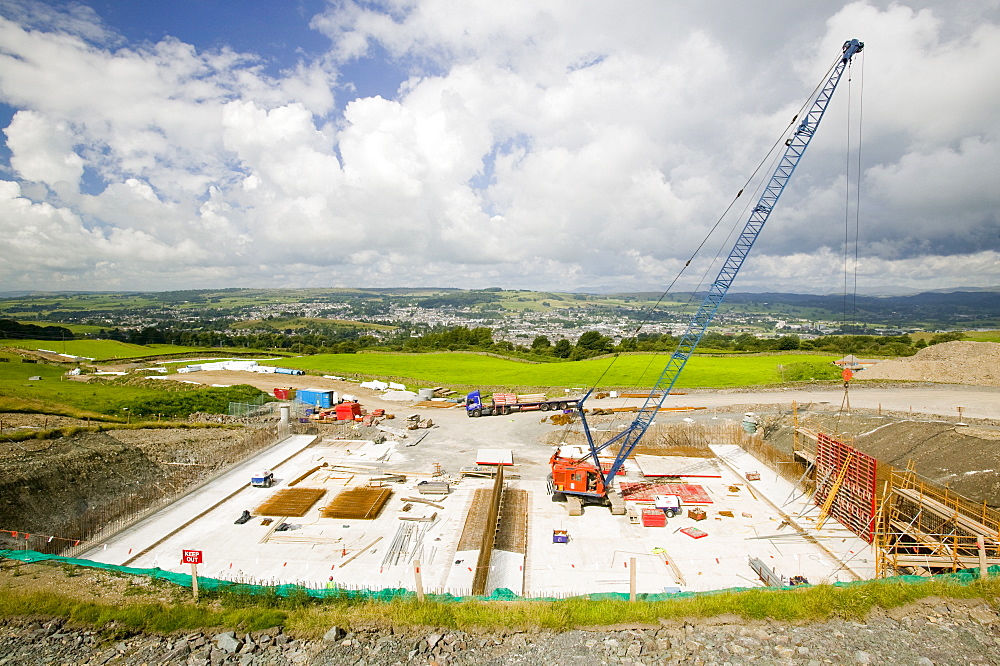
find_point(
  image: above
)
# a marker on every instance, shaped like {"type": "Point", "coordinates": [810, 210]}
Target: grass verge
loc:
{"type": "Point", "coordinates": [124, 619]}
{"type": "Point", "coordinates": [16, 405]}
{"type": "Point", "coordinates": [809, 604]}
{"type": "Point", "coordinates": [307, 617]}
{"type": "Point", "coordinates": [69, 431]}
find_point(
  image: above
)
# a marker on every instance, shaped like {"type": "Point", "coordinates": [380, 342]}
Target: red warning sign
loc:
{"type": "Point", "coordinates": [191, 556]}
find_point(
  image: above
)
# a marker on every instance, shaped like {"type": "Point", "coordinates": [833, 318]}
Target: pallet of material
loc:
{"type": "Point", "coordinates": [485, 472]}
{"type": "Point", "coordinates": [653, 518]}
{"type": "Point", "coordinates": [433, 488]}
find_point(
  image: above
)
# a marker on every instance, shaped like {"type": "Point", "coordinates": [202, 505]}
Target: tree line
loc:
{"type": "Point", "coordinates": [348, 340]}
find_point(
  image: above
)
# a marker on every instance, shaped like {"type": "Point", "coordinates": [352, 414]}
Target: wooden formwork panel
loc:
{"type": "Point", "coordinates": [361, 503]}
{"type": "Point", "coordinates": [290, 502]}
{"type": "Point", "coordinates": [853, 502]}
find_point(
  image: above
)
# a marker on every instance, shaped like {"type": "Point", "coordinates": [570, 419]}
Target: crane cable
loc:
{"type": "Point", "coordinates": [851, 268]}
{"type": "Point", "coordinates": [769, 156]}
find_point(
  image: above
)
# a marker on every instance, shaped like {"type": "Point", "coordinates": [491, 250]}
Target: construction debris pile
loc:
{"type": "Point", "coordinates": [975, 363]}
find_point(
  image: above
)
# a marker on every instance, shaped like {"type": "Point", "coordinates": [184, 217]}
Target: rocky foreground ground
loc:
{"type": "Point", "coordinates": [933, 631]}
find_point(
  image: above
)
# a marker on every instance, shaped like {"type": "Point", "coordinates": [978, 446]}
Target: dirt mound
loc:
{"type": "Point", "coordinates": [975, 363]}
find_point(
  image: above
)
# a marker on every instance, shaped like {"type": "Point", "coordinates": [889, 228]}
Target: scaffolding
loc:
{"type": "Point", "coordinates": [925, 529]}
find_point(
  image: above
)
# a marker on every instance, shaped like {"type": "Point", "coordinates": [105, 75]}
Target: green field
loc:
{"type": "Point", "coordinates": [972, 336]}
{"type": "Point", "coordinates": [53, 393]}
{"type": "Point", "coordinates": [52, 389]}
{"type": "Point", "coordinates": [76, 329]}
{"type": "Point", "coordinates": [983, 336]}
{"type": "Point", "coordinates": [639, 370]}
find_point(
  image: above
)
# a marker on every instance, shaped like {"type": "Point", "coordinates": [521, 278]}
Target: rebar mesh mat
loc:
{"type": "Point", "coordinates": [290, 502]}
{"type": "Point", "coordinates": [512, 535]}
{"type": "Point", "coordinates": [363, 503]}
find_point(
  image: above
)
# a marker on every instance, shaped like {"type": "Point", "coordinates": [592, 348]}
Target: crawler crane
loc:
{"type": "Point", "coordinates": [584, 480]}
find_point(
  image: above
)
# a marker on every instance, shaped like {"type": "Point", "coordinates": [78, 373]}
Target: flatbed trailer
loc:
{"type": "Point", "coordinates": [507, 403]}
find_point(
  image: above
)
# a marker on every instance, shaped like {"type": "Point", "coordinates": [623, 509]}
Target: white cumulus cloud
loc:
{"type": "Point", "coordinates": [557, 146]}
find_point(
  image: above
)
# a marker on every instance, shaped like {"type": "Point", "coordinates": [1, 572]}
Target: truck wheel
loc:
{"type": "Point", "coordinates": [544, 407]}
{"type": "Point", "coordinates": [561, 406]}
{"type": "Point", "coordinates": [476, 412]}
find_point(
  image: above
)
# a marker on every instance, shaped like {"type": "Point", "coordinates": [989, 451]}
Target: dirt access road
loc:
{"type": "Point", "coordinates": [456, 437]}
{"type": "Point", "coordinates": [977, 402]}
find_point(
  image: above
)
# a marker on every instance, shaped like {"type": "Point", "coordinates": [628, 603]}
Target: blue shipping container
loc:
{"type": "Point", "coordinates": [315, 397]}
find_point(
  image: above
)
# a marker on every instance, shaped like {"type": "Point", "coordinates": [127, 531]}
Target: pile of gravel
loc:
{"type": "Point", "coordinates": [974, 363]}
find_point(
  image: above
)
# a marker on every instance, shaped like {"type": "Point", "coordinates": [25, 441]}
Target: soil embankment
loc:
{"type": "Point", "coordinates": [69, 486]}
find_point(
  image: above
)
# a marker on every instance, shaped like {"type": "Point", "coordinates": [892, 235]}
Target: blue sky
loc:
{"type": "Point", "coordinates": [557, 145]}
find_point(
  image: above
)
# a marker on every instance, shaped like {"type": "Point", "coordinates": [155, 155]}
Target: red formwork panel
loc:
{"type": "Point", "coordinates": [644, 491]}
{"type": "Point", "coordinates": [854, 502]}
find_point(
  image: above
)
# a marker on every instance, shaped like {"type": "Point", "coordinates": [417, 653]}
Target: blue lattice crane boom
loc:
{"type": "Point", "coordinates": [572, 477]}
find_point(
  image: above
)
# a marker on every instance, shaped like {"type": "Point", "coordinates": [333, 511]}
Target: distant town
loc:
{"type": "Point", "coordinates": [516, 317]}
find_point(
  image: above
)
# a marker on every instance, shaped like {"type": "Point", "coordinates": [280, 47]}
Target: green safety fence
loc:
{"type": "Point", "coordinates": [963, 577]}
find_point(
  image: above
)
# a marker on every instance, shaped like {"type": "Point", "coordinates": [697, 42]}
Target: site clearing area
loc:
{"type": "Point", "coordinates": [410, 509]}
{"type": "Point", "coordinates": [727, 489]}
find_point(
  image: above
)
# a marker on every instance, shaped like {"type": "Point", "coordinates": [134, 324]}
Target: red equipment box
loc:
{"type": "Point", "coordinates": [653, 518]}
{"type": "Point", "coordinates": [347, 411]}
